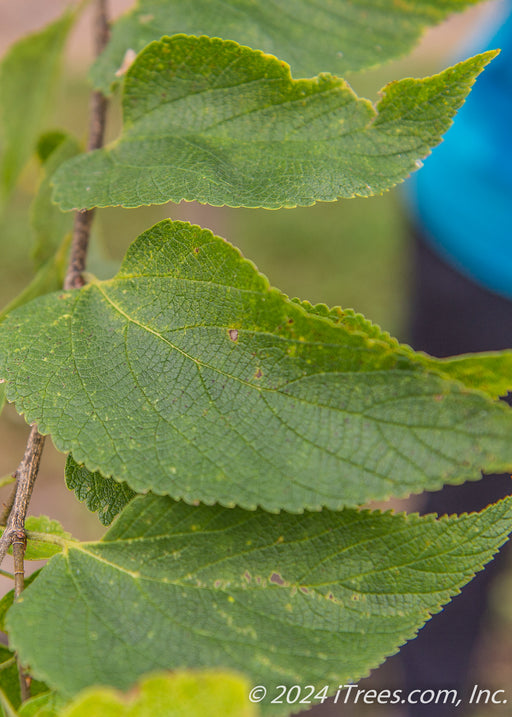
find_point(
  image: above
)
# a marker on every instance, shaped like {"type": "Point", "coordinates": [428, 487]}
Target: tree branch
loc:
{"type": "Point", "coordinates": [14, 533]}
{"type": "Point", "coordinates": [29, 466]}
{"type": "Point", "coordinates": [19, 544]}
{"type": "Point", "coordinates": [98, 114]}
{"type": "Point", "coordinates": [26, 473]}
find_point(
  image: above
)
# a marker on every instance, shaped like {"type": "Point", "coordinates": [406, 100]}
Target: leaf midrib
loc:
{"type": "Point", "coordinates": [296, 585]}
{"type": "Point", "coordinates": [204, 364]}
{"type": "Point", "coordinates": [280, 391]}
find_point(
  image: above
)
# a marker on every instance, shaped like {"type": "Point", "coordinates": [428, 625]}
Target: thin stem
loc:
{"type": "Point", "coordinates": [16, 508]}
{"type": "Point", "coordinates": [25, 681]}
{"type": "Point", "coordinates": [14, 532]}
{"type": "Point", "coordinates": [81, 233]}
{"type": "Point", "coordinates": [19, 544]}
{"type": "Point", "coordinates": [98, 115]}
{"type": "Point", "coordinates": [26, 475]}
{"type": "Point", "coordinates": [27, 471]}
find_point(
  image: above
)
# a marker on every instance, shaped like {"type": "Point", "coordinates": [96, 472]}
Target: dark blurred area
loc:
{"type": "Point", "coordinates": [357, 253]}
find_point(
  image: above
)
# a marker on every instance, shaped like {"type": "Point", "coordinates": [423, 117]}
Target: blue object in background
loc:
{"type": "Point", "coordinates": [462, 197]}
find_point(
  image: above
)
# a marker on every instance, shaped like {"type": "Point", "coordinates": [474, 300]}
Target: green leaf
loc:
{"type": "Point", "coordinates": [7, 600]}
{"type": "Point", "coordinates": [317, 598]}
{"type": "Point", "coordinates": [28, 78]}
{"type": "Point", "coordinates": [47, 704]}
{"type": "Point", "coordinates": [215, 122]}
{"type": "Point", "coordinates": [490, 372]}
{"type": "Point", "coordinates": [9, 680]}
{"type": "Point", "coordinates": [188, 693]}
{"type": "Point", "coordinates": [101, 494]}
{"type": "Point", "coordinates": [2, 396]}
{"type": "Point", "coordinates": [48, 142]}
{"type": "Point", "coordinates": [49, 278]}
{"type": "Point", "coordinates": [48, 222]}
{"type": "Point", "coordinates": [182, 694]}
{"type": "Point", "coordinates": [46, 537]}
{"type": "Point", "coordinates": [311, 36]}
{"type": "Point", "coordinates": [353, 322]}
{"type": "Point", "coordinates": [50, 225]}
{"type": "Point", "coordinates": [187, 375]}
{"type": "Point", "coordinates": [10, 697]}
{"type": "Point", "coordinates": [6, 708]}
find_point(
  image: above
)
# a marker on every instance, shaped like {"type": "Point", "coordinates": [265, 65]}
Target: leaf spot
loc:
{"type": "Point", "coordinates": [233, 334]}
{"type": "Point", "coordinates": [277, 579]}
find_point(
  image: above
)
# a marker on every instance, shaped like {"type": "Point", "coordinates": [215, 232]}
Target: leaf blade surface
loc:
{"type": "Point", "coordinates": [185, 693]}
{"type": "Point", "coordinates": [287, 599]}
{"type": "Point", "coordinates": [189, 376]}
{"type": "Point", "coordinates": [104, 495]}
{"type": "Point", "coordinates": [310, 36]}
{"type": "Point", "coordinates": [219, 123]}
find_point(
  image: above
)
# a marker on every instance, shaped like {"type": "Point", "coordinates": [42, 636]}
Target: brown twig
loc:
{"type": "Point", "coordinates": [14, 533]}
{"type": "Point", "coordinates": [19, 544]}
{"type": "Point", "coordinates": [98, 114]}
{"type": "Point", "coordinates": [26, 475]}
{"type": "Point", "coordinates": [16, 507]}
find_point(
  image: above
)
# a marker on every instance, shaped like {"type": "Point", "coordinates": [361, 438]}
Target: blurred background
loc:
{"type": "Point", "coordinates": [353, 253]}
